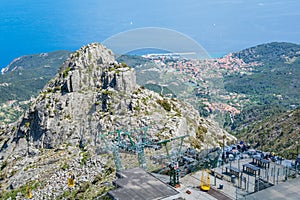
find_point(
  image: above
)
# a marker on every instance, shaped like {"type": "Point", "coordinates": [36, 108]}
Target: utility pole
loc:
{"type": "Point", "coordinates": [223, 153]}
{"type": "Point", "coordinates": [117, 158]}
{"type": "Point", "coordinates": [114, 148]}
{"type": "Point", "coordinates": [174, 170]}
{"type": "Point", "coordinates": [141, 155]}
{"type": "Point", "coordinates": [297, 163]}
{"type": "Point", "coordinates": [164, 142]}
{"type": "Point", "coordinates": [236, 191]}
{"type": "Point", "coordinates": [274, 174]}
{"type": "Point", "coordinates": [277, 175]}
{"type": "Point", "coordinates": [248, 184]}
{"type": "Point", "coordinates": [258, 183]}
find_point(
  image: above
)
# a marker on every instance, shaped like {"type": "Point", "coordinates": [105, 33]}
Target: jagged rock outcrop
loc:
{"type": "Point", "coordinates": [92, 90]}
{"type": "Point", "coordinates": [68, 108]}
{"type": "Point", "coordinates": [91, 95]}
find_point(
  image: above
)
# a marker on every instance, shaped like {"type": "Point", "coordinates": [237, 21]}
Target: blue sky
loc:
{"type": "Point", "coordinates": [220, 26]}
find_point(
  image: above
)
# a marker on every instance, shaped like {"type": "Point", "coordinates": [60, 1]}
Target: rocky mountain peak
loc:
{"type": "Point", "coordinates": [92, 95]}
{"type": "Point", "coordinates": [71, 103]}
{"type": "Point", "coordinates": [92, 54]}
{"type": "Point", "coordinates": [94, 66]}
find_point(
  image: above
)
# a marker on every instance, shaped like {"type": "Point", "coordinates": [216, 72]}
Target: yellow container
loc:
{"type": "Point", "coordinates": [71, 180]}
{"type": "Point", "coordinates": [29, 193]}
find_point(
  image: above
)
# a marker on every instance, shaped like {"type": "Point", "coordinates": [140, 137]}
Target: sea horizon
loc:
{"type": "Point", "coordinates": [218, 26]}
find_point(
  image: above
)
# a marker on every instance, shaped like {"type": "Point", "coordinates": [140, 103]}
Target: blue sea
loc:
{"type": "Point", "coordinates": [220, 26]}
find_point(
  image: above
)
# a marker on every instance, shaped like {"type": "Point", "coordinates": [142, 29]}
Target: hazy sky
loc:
{"type": "Point", "coordinates": [220, 26]}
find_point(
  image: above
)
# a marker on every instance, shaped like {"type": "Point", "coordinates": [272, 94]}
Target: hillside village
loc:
{"type": "Point", "coordinates": [200, 73]}
{"type": "Point", "coordinates": [196, 72]}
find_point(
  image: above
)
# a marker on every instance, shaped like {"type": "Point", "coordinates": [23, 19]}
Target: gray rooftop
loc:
{"type": "Point", "coordinates": [139, 184]}
{"type": "Point", "coordinates": [254, 168]}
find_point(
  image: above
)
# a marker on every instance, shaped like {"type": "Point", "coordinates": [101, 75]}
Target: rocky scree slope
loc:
{"type": "Point", "coordinates": [60, 132]}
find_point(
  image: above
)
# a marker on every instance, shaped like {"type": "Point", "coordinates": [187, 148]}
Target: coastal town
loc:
{"type": "Point", "coordinates": [203, 80]}
{"type": "Point", "coordinates": [205, 77]}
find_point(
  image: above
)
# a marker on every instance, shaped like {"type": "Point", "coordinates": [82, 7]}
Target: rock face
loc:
{"type": "Point", "coordinates": [71, 106]}
{"type": "Point", "coordinates": [92, 94]}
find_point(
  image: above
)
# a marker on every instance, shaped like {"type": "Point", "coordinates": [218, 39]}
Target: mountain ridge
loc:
{"type": "Point", "coordinates": [23, 79]}
{"type": "Point", "coordinates": [273, 51]}
{"type": "Point", "coordinates": [62, 130]}
{"type": "Point", "coordinates": [34, 60]}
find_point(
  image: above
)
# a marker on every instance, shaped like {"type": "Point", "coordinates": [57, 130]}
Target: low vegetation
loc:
{"type": "Point", "coordinates": [165, 104]}
{"type": "Point", "coordinates": [29, 77]}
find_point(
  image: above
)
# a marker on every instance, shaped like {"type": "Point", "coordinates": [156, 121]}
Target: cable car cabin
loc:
{"type": "Point", "coordinates": [205, 181]}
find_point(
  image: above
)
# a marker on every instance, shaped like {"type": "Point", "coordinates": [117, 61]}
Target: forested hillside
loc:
{"type": "Point", "coordinates": [273, 87]}
{"type": "Point", "coordinates": [23, 78]}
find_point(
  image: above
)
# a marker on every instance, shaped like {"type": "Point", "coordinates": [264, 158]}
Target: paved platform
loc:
{"type": "Point", "coordinates": [137, 184]}
{"type": "Point", "coordinates": [288, 190]}
{"type": "Point", "coordinates": [143, 185]}
{"type": "Point", "coordinates": [191, 183]}
{"type": "Point", "coordinates": [234, 188]}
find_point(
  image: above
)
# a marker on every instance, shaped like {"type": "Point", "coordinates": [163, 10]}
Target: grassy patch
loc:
{"type": "Point", "coordinates": [66, 71]}
{"type": "Point", "coordinates": [85, 157]}
{"type": "Point", "coordinates": [165, 104]}
{"type": "Point", "coordinates": [64, 166]}
{"type": "Point", "coordinates": [21, 191]}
